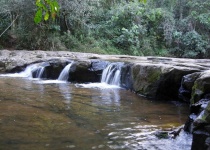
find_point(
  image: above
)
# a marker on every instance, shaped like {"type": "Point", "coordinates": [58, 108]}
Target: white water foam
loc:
{"type": "Point", "coordinates": [50, 81]}
{"type": "Point", "coordinates": [13, 75]}
{"type": "Point", "coordinates": [97, 85]}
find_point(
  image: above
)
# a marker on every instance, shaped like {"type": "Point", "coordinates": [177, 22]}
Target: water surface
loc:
{"type": "Point", "coordinates": [44, 115]}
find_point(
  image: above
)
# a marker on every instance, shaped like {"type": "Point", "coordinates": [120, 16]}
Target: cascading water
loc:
{"type": "Point", "coordinates": [111, 74]}
{"type": "Point", "coordinates": [39, 72]}
{"type": "Point", "coordinates": [64, 75]}
{"type": "Point", "coordinates": [33, 71]}
{"type": "Point", "coordinates": [28, 71]}
{"type": "Point", "coordinates": [110, 78]}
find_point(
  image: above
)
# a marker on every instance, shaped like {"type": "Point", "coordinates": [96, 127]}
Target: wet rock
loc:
{"type": "Point", "coordinates": [98, 65]}
{"type": "Point", "coordinates": [157, 80]}
{"type": "Point", "coordinates": [146, 79]}
{"type": "Point", "coordinates": [2, 67]}
{"type": "Point", "coordinates": [162, 135]}
{"type": "Point", "coordinates": [204, 115]}
{"type": "Point", "coordinates": [176, 132]}
{"type": "Point", "coordinates": [188, 80]}
{"type": "Point", "coordinates": [85, 71]}
{"type": "Point", "coordinates": [200, 140]}
{"type": "Point", "coordinates": [199, 106]}
{"type": "Point", "coordinates": [186, 86]}
{"type": "Point", "coordinates": [201, 87]}
{"type": "Point", "coordinates": [171, 82]}
{"type": "Point", "coordinates": [126, 78]}
{"type": "Point", "coordinates": [198, 85]}
{"type": "Point", "coordinates": [53, 68]}
{"type": "Point", "coordinates": [172, 134]}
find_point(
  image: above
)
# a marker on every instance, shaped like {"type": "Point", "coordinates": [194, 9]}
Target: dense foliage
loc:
{"type": "Point", "coordinates": [178, 28]}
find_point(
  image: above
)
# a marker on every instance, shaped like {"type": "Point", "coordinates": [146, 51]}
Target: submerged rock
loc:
{"type": "Point", "coordinates": [162, 135]}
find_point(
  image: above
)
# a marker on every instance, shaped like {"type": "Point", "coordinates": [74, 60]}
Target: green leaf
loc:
{"type": "Point", "coordinates": [143, 1]}
{"type": "Point", "coordinates": [48, 8]}
{"type": "Point", "coordinates": [38, 16]}
{"type": "Point", "coordinates": [56, 6]}
{"type": "Point", "coordinates": [46, 17]}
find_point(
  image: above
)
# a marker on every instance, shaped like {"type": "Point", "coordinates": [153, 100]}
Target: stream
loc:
{"type": "Point", "coordinates": [45, 115]}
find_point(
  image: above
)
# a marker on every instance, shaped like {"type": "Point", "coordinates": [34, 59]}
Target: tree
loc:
{"type": "Point", "coordinates": [136, 27]}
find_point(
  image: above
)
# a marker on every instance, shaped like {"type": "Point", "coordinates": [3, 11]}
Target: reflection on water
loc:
{"type": "Point", "coordinates": [44, 115]}
{"type": "Point", "coordinates": [65, 90]}
{"type": "Point", "coordinates": [108, 97]}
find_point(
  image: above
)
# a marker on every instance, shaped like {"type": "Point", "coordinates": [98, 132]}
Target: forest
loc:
{"type": "Point", "coordinates": [172, 28]}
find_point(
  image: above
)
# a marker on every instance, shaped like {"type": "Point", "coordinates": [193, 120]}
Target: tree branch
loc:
{"type": "Point", "coordinates": [9, 25]}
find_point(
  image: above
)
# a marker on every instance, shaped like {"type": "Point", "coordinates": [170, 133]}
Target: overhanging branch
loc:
{"type": "Point", "coordinates": [9, 25]}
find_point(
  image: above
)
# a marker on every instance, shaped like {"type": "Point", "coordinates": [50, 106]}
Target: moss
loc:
{"type": "Point", "coordinates": [197, 92]}
{"type": "Point", "coordinates": [193, 95]}
{"type": "Point", "coordinates": [154, 75]}
{"type": "Point", "coordinates": [135, 71]}
{"type": "Point", "coordinates": [162, 135]}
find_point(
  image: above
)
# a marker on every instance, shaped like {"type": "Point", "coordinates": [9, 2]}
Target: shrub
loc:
{"type": "Point", "coordinates": [190, 44]}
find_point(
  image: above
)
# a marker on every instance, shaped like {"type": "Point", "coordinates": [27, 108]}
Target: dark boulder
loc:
{"type": "Point", "coordinates": [53, 68]}
{"type": "Point", "coordinates": [126, 78]}
{"type": "Point", "coordinates": [86, 71]}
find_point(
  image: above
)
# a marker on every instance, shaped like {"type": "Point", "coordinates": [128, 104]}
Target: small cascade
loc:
{"type": "Point", "coordinates": [111, 74]}
{"type": "Point", "coordinates": [33, 71]}
{"type": "Point", "coordinates": [184, 92]}
{"type": "Point", "coordinates": [39, 72]}
{"type": "Point", "coordinates": [28, 72]}
{"type": "Point", "coordinates": [64, 75]}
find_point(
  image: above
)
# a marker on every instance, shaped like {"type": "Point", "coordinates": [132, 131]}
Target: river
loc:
{"type": "Point", "coordinates": [37, 114]}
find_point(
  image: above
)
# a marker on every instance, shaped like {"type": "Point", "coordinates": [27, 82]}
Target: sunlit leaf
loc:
{"type": "Point", "coordinates": [46, 7]}
{"type": "Point", "coordinates": [46, 17]}
{"type": "Point", "coordinates": [38, 16]}
{"type": "Point", "coordinates": [143, 1]}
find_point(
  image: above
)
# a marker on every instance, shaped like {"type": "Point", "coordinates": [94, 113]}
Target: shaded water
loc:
{"type": "Point", "coordinates": [39, 115]}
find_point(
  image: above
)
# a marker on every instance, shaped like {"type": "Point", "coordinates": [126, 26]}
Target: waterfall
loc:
{"type": "Point", "coordinates": [28, 72]}
{"type": "Point", "coordinates": [39, 72]}
{"type": "Point", "coordinates": [33, 71]}
{"type": "Point", "coordinates": [111, 74]}
{"type": "Point", "coordinates": [64, 75]}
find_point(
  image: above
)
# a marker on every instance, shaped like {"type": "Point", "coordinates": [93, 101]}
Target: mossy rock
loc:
{"type": "Point", "coordinates": [145, 79]}
{"type": "Point", "coordinates": [162, 135]}
{"type": "Point", "coordinates": [201, 87]}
